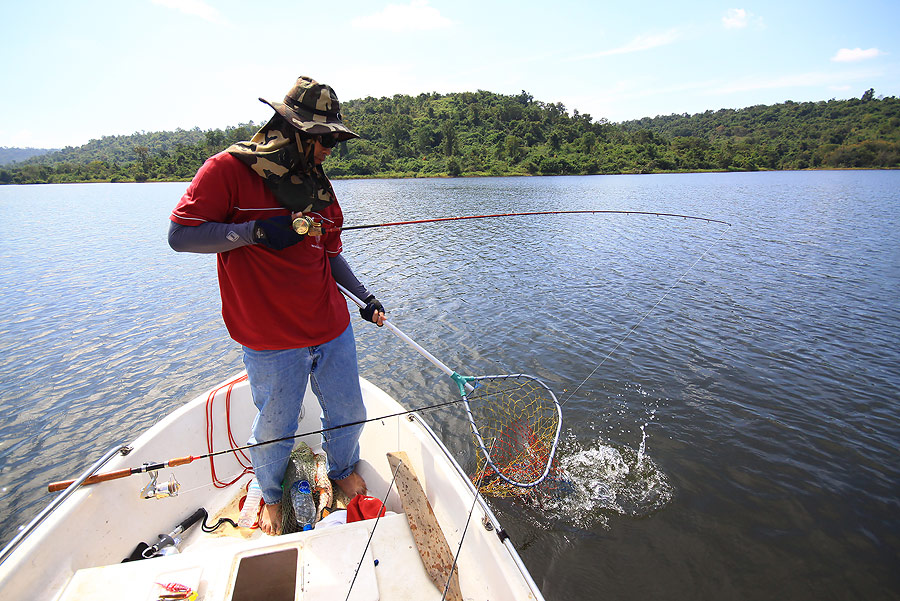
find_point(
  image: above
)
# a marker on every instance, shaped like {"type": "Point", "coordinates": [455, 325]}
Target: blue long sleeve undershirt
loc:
{"type": "Point", "coordinates": [221, 237]}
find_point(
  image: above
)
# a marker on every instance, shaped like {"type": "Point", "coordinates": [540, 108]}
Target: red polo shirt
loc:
{"type": "Point", "coordinates": [271, 299]}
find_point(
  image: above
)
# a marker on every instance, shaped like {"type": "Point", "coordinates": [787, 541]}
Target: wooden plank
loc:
{"type": "Point", "coordinates": [430, 539]}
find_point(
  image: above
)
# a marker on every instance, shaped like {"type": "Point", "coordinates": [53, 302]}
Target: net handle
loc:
{"type": "Point", "coordinates": [461, 381]}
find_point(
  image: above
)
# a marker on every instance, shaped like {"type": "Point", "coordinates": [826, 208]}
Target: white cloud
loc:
{"type": "Point", "coordinates": [638, 44]}
{"type": "Point", "coordinates": [196, 8]}
{"type": "Point", "coordinates": [415, 16]}
{"type": "Point", "coordinates": [736, 18]}
{"type": "Point", "coordinates": [848, 55]}
{"type": "Point", "coordinates": [794, 81]}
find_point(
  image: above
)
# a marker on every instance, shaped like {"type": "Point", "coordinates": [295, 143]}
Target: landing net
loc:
{"type": "Point", "coordinates": [516, 421]}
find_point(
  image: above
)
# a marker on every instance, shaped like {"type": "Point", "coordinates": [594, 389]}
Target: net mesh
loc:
{"type": "Point", "coordinates": [518, 419]}
{"type": "Point", "coordinates": [301, 466]}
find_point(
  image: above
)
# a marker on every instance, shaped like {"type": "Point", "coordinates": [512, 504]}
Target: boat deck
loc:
{"type": "Point", "coordinates": [314, 565]}
{"type": "Point", "coordinates": [75, 552]}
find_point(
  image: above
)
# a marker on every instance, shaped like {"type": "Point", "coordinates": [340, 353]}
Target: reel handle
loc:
{"type": "Point", "coordinates": [64, 484]}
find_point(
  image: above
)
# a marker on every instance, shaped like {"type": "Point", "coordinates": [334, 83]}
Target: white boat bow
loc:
{"type": "Point", "coordinates": [75, 552]}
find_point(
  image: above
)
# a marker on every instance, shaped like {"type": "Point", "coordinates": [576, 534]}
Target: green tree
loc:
{"type": "Point", "coordinates": [448, 130]}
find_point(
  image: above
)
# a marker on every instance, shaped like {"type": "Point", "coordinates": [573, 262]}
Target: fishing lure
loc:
{"type": "Point", "coordinates": [175, 587]}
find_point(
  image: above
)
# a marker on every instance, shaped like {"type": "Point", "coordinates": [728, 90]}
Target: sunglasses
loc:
{"type": "Point", "coordinates": [328, 140]}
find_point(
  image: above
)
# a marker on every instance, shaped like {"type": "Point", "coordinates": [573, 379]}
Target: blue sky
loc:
{"type": "Point", "coordinates": [76, 70]}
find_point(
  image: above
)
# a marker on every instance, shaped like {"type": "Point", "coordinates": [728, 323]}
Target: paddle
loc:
{"type": "Point", "coordinates": [427, 534]}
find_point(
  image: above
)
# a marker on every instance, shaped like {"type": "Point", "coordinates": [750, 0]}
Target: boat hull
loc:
{"type": "Point", "coordinates": [82, 543]}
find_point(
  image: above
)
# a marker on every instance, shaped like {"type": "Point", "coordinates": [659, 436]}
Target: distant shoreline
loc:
{"type": "Point", "coordinates": [481, 175]}
{"type": "Point", "coordinates": [482, 134]}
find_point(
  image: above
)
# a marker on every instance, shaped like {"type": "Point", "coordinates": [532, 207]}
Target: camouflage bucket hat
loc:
{"type": "Point", "coordinates": [313, 108]}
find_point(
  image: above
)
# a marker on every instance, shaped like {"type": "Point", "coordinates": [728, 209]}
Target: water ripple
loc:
{"type": "Point", "coordinates": [759, 386]}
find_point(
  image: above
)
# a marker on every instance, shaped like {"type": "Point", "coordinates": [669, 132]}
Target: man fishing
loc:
{"type": "Point", "coordinates": [279, 297]}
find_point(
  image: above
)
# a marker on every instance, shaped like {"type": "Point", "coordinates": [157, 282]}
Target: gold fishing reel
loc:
{"type": "Point", "coordinates": [306, 225]}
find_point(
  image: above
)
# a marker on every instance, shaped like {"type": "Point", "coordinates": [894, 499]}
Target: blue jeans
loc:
{"type": "Point", "coordinates": [278, 382]}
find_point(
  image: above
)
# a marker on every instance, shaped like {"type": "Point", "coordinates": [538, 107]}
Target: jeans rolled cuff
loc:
{"type": "Point", "coordinates": [267, 502]}
{"type": "Point", "coordinates": [346, 473]}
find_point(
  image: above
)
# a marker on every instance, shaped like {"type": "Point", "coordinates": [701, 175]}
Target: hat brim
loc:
{"type": "Point", "coordinates": [316, 125]}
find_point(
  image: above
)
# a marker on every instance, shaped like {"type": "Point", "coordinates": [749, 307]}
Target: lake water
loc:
{"type": "Point", "coordinates": [730, 393]}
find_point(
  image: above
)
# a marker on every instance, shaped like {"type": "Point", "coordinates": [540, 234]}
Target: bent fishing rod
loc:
{"type": "Point", "coordinates": [304, 224]}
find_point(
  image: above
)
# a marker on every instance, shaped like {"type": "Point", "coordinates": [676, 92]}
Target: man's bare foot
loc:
{"type": "Point", "coordinates": [352, 485]}
{"type": "Point", "coordinates": [270, 519]}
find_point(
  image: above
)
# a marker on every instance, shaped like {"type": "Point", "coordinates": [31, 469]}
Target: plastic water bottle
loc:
{"type": "Point", "coordinates": [250, 511]}
{"type": "Point", "coordinates": [302, 501]}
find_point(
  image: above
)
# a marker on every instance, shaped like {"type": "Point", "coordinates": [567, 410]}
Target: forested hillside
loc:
{"type": "Point", "coordinates": [15, 155]}
{"type": "Point", "coordinates": [861, 132]}
{"type": "Point", "coordinates": [482, 133]}
{"type": "Point", "coordinates": [155, 156]}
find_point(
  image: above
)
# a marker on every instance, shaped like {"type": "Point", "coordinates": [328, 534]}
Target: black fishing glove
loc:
{"type": "Point", "coordinates": [275, 232]}
{"type": "Point", "coordinates": [372, 305]}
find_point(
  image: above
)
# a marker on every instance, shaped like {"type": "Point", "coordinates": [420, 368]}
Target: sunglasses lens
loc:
{"type": "Point", "coordinates": [328, 141]}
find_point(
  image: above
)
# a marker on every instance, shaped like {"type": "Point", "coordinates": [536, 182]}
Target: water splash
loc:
{"type": "Point", "coordinates": [643, 448]}
{"type": "Point", "coordinates": [597, 480]}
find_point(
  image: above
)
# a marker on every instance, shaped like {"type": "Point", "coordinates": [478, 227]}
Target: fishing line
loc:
{"type": "Point", "coordinates": [472, 397]}
{"type": "Point", "coordinates": [461, 539]}
{"type": "Point", "coordinates": [372, 533]}
{"type": "Point", "coordinates": [235, 451]}
{"type": "Point", "coordinates": [239, 449]}
{"type": "Point", "coordinates": [647, 314]}
{"type": "Point", "coordinates": [462, 536]}
{"type": "Point", "coordinates": [237, 477]}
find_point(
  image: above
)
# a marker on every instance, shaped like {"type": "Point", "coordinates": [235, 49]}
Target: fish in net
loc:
{"type": "Point", "coordinates": [516, 421]}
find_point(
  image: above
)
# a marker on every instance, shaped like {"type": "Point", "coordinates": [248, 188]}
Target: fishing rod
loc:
{"type": "Point", "coordinates": [152, 467]}
{"type": "Point", "coordinates": [304, 225]}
